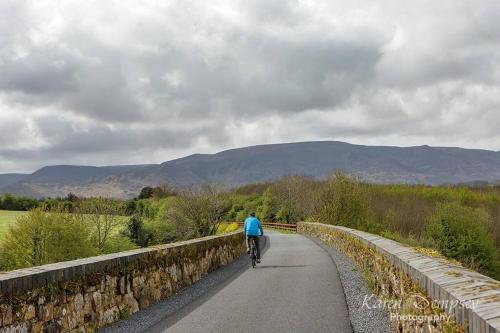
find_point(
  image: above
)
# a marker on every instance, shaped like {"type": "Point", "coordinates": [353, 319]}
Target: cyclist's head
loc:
{"type": "Point", "coordinates": [252, 214]}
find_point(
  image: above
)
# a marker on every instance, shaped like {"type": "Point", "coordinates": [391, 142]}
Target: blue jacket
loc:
{"type": "Point", "coordinates": [252, 227]}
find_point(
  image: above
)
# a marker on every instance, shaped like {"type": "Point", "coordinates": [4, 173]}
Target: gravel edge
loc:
{"type": "Point", "coordinates": [363, 320]}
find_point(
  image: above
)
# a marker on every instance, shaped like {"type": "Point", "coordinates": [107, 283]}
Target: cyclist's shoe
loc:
{"type": "Point", "coordinates": [258, 261]}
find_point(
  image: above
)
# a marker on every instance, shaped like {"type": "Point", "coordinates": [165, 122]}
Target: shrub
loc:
{"type": "Point", "coordinates": [460, 233]}
{"type": "Point", "coordinates": [118, 243]}
{"type": "Point", "coordinates": [400, 209]}
{"type": "Point", "coordinates": [344, 202]}
{"type": "Point", "coordinates": [42, 237]}
{"type": "Point", "coordinates": [138, 233]}
{"type": "Point", "coordinates": [225, 228]}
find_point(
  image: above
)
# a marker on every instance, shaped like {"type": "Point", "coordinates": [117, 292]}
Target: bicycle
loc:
{"type": "Point", "coordinates": [253, 252]}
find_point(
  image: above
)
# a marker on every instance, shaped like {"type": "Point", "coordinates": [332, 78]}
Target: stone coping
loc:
{"type": "Point", "coordinates": [441, 280]}
{"type": "Point", "coordinates": [40, 276]}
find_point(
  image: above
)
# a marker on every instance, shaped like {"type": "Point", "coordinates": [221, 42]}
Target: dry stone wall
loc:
{"type": "Point", "coordinates": [86, 294]}
{"type": "Point", "coordinates": [421, 293]}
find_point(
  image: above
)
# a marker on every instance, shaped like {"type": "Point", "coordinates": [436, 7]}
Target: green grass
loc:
{"type": "Point", "coordinates": [8, 217]}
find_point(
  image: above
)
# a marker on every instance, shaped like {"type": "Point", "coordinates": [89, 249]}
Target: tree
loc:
{"type": "Point", "coordinates": [344, 201]}
{"type": "Point", "coordinates": [105, 215]}
{"type": "Point", "coordinates": [42, 237]}
{"type": "Point", "coordinates": [146, 193]}
{"type": "Point", "coordinates": [295, 196]}
{"type": "Point", "coordinates": [8, 202]}
{"type": "Point", "coordinates": [198, 211]}
{"type": "Point", "coordinates": [71, 197]}
{"type": "Point", "coordinates": [269, 208]}
{"type": "Point", "coordinates": [164, 190]}
{"type": "Point", "coordinates": [138, 233]}
{"type": "Point", "coordinates": [131, 206]}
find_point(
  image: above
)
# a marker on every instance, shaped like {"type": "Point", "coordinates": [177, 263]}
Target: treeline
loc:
{"type": "Point", "coordinates": [460, 223]}
{"type": "Point", "coordinates": [20, 203]}
{"type": "Point", "coordinates": [11, 202]}
{"type": "Point", "coordinates": [72, 203]}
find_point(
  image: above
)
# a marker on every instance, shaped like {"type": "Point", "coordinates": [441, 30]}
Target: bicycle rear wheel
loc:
{"type": "Point", "coordinates": [253, 253]}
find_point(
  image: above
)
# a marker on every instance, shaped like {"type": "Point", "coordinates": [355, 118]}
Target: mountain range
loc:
{"type": "Point", "coordinates": [380, 164]}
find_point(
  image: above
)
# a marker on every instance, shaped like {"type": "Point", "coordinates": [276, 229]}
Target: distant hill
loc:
{"type": "Point", "coordinates": [7, 179]}
{"type": "Point", "coordinates": [381, 164]}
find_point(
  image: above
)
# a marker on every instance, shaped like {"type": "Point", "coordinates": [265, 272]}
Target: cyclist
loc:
{"type": "Point", "coordinates": [253, 229]}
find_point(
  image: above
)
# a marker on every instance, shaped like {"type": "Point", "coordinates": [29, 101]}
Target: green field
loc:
{"type": "Point", "coordinates": [8, 217]}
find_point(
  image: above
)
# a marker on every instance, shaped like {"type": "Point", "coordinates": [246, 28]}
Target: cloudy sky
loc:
{"type": "Point", "coordinates": [130, 81]}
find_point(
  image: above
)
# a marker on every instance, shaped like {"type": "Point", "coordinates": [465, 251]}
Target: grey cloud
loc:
{"type": "Point", "coordinates": [267, 74]}
{"type": "Point", "coordinates": [273, 12]}
{"type": "Point", "coordinates": [312, 74]}
{"type": "Point", "coordinates": [481, 22]}
{"type": "Point", "coordinates": [64, 137]}
{"type": "Point", "coordinates": [86, 79]}
{"type": "Point", "coordinates": [262, 72]}
{"type": "Point", "coordinates": [45, 72]}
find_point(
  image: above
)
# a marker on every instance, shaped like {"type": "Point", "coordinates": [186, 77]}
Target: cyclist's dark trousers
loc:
{"type": "Point", "coordinates": [257, 244]}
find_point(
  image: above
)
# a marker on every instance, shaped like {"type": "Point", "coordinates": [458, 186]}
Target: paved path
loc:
{"type": "Point", "coordinates": [296, 288]}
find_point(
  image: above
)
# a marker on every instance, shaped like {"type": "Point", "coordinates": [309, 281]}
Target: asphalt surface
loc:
{"type": "Point", "coordinates": [363, 319]}
{"type": "Point", "coordinates": [296, 288]}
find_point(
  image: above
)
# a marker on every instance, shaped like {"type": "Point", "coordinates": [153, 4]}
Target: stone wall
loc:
{"type": "Point", "coordinates": [421, 293]}
{"type": "Point", "coordinates": [83, 295]}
